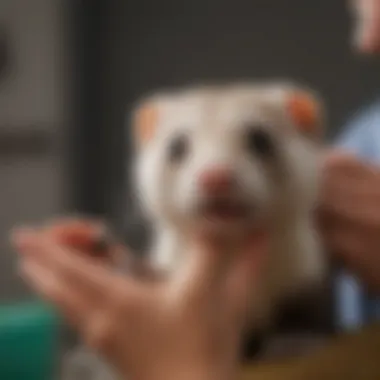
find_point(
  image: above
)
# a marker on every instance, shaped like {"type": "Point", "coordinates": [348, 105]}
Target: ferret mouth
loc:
{"type": "Point", "coordinates": [225, 210]}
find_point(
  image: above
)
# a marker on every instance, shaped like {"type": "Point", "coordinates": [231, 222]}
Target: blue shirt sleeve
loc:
{"type": "Point", "coordinates": [357, 135]}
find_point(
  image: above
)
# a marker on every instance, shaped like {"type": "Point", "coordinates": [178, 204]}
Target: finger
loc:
{"type": "Point", "coordinates": [342, 164]}
{"type": "Point", "coordinates": [246, 274]}
{"type": "Point", "coordinates": [74, 232]}
{"type": "Point", "coordinates": [351, 242]}
{"type": "Point", "coordinates": [367, 28]}
{"type": "Point", "coordinates": [362, 260]}
{"type": "Point", "coordinates": [69, 302]}
{"type": "Point", "coordinates": [91, 237]}
{"type": "Point", "coordinates": [87, 277]}
{"type": "Point", "coordinates": [343, 239]}
{"type": "Point", "coordinates": [340, 205]}
{"type": "Point", "coordinates": [339, 166]}
{"type": "Point", "coordinates": [337, 157]}
{"type": "Point", "coordinates": [212, 263]}
{"type": "Point", "coordinates": [93, 285]}
{"type": "Point", "coordinates": [205, 267]}
{"type": "Point", "coordinates": [340, 191]}
{"type": "Point", "coordinates": [338, 196]}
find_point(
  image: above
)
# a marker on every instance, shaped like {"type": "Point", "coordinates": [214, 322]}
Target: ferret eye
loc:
{"type": "Point", "coordinates": [259, 142]}
{"type": "Point", "coordinates": [178, 148]}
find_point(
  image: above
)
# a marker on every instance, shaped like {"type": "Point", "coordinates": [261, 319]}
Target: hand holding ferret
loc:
{"type": "Point", "coordinates": [195, 316]}
{"type": "Point", "coordinates": [349, 214]}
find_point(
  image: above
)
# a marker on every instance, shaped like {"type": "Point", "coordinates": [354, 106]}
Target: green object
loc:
{"type": "Point", "coordinates": [29, 344]}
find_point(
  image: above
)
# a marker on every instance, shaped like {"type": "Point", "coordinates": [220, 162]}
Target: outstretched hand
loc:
{"type": "Point", "coordinates": [187, 326]}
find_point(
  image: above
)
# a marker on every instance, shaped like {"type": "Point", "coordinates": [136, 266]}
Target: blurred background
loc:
{"type": "Point", "coordinates": [71, 70]}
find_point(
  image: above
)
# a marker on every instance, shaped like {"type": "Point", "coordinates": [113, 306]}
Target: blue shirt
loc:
{"type": "Point", "coordinates": [361, 137]}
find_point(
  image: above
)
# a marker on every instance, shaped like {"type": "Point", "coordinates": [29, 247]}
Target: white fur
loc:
{"type": "Point", "coordinates": [213, 118]}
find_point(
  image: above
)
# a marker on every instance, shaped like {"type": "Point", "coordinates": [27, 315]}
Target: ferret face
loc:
{"type": "Point", "coordinates": [225, 156]}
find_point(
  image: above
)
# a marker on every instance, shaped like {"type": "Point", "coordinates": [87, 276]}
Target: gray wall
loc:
{"type": "Point", "coordinates": [30, 97]}
{"type": "Point", "coordinates": [168, 42]}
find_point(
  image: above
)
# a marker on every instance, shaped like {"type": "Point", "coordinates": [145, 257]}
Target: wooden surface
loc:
{"type": "Point", "coordinates": [350, 357]}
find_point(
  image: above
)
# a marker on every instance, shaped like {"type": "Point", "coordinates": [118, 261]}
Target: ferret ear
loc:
{"type": "Point", "coordinates": [145, 120]}
{"type": "Point", "coordinates": [306, 112]}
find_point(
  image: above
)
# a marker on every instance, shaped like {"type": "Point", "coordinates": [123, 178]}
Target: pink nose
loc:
{"type": "Point", "coordinates": [216, 181]}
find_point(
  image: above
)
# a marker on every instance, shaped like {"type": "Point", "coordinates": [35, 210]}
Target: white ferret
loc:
{"type": "Point", "coordinates": [230, 157]}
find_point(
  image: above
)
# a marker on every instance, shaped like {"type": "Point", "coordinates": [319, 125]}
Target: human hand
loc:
{"type": "Point", "coordinates": [367, 29]}
{"type": "Point", "coordinates": [350, 214]}
{"type": "Point", "coordinates": [88, 237]}
{"type": "Point", "coordinates": [184, 327]}
{"type": "Point", "coordinates": [94, 240]}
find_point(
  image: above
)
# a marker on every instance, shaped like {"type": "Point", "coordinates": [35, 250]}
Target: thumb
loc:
{"type": "Point", "coordinates": [334, 157]}
{"type": "Point", "coordinates": [246, 274]}
{"type": "Point", "coordinates": [206, 265]}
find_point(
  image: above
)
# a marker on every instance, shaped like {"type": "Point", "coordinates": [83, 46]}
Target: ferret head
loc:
{"type": "Point", "coordinates": [226, 156]}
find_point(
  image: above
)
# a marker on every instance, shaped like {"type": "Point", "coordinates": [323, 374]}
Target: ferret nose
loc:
{"type": "Point", "coordinates": [217, 181]}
